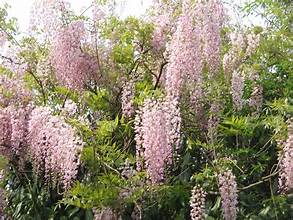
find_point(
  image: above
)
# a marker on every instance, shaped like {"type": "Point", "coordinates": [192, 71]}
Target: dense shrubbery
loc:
{"type": "Point", "coordinates": [180, 115]}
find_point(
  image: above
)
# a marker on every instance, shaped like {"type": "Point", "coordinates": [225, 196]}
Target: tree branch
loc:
{"type": "Point", "coordinates": [263, 179]}
{"type": "Point", "coordinates": [160, 74]}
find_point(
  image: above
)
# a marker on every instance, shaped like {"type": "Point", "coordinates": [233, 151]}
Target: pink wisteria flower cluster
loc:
{"type": "Point", "coordinates": [196, 43]}
{"type": "Point", "coordinates": [74, 67]}
{"type": "Point", "coordinates": [48, 16]}
{"type": "Point", "coordinates": [242, 46]}
{"type": "Point", "coordinates": [3, 38]}
{"type": "Point", "coordinates": [14, 130]}
{"type": "Point", "coordinates": [13, 92]}
{"type": "Point", "coordinates": [237, 90]}
{"type": "Point", "coordinates": [197, 203]}
{"type": "Point", "coordinates": [286, 162]}
{"type": "Point", "coordinates": [47, 140]}
{"type": "Point", "coordinates": [15, 109]}
{"type": "Point", "coordinates": [164, 22]}
{"type": "Point", "coordinates": [156, 138]}
{"type": "Point", "coordinates": [54, 147]}
{"type": "Point", "coordinates": [127, 98]}
{"type": "Point", "coordinates": [229, 194]}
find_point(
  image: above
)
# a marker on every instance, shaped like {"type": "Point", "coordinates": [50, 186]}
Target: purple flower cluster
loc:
{"type": "Point", "coordinates": [3, 38]}
{"type": "Point", "coordinates": [13, 92]}
{"type": "Point", "coordinates": [256, 99]}
{"type": "Point", "coordinates": [197, 203]}
{"type": "Point", "coordinates": [155, 144]}
{"type": "Point", "coordinates": [74, 67]}
{"type": "Point", "coordinates": [237, 90]}
{"type": "Point", "coordinates": [253, 41]}
{"type": "Point", "coordinates": [213, 19]}
{"type": "Point", "coordinates": [213, 121]}
{"type": "Point", "coordinates": [173, 123]}
{"type": "Point", "coordinates": [54, 147]}
{"type": "Point", "coordinates": [286, 163]}
{"type": "Point", "coordinates": [185, 61]}
{"type": "Point", "coordinates": [14, 130]}
{"type": "Point", "coordinates": [48, 16]}
{"type": "Point", "coordinates": [162, 26]}
{"type": "Point", "coordinates": [15, 109]}
{"type": "Point", "coordinates": [195, 42]}
{"type": "Point", "coordinates": [242, 46]}
{"type": "Point", "coordinates": [5, 128]}
{"type": "Point", "coordinates": [127, 98]}
{"type": "Point", "coordinates": [229, 196]}
{"type": "Point", "coordinates": [157, 135]}
{"type": "Point", "coordinates": [19, 129]}
{"type": "Point", "coordinates": [163, 20]}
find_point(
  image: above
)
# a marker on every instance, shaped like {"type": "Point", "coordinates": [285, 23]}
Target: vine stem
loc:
{"type": "Point", "coordinates": [263, 179]}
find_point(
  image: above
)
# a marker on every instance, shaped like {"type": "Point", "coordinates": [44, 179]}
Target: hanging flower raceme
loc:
{"type": "Point", "coordinates": [160, 33]}
{"type": "Point", "coordinates": [256, 99]}
{"type": "Point", "coordinates": [15, 110]}
{"type": "Point", "coordinates": [48, 16]}
{"type": "Point", "coordinates": [185, 61]}
{"type": "Point", "coordinates": [139, 139]}
{"type": "Point", "coordinates": [127, 99]}
{"type": "Point", "coordinates": [242, 46]}
{"type": "Point", "coordinates": [155, 143]}
{"type": "Point", "coordinates": [19, 126]}
{"type": "Point", "coordinates": [13, 92]}
{"type": "Point", "coordinates": [163, 20]}
{"type": "Point", "coordinates": [197, 97]}
{"type": "Point", "coordinates": [74, 67]}
{"type": "Point", "coordinates": [253, 41]}
{"type": "Point", "coordinates": [5, 128]}
{"type": "Point", "coordinates": [229, 196]}
{"type": "Point", "coordinates": [232, 59]}
{"type": "Point", "coordinates": [213, 19]}
{"type": "Point", "coordinates": [173, 123]}
{"type": "Point", "coordinates": [213, 121]}
{"type": "Point", "coordinates": [3, 38]}
{"type": "Point", "coordinates": [157, 136]}
{"type": "Point", "coordinates": [13, 130]}
{"type": "Point", "coordinates": [286, 163]}
{"type": "Point", "coordinates": [195, 42]}
{"type": "Point", "coordinates": [197, 203]}
{"type": "Point", "coordinates": [54, 147]}
{"type": "Point", "coordinates": [237, 89]}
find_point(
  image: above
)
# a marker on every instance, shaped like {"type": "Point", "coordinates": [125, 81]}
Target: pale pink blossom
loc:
{"type": "Point", "coordinates": [127, 98]}
{"type": "Point", "coordinates": [237, 90]}
{"type": "Point", "coordinates": [185, 61]}
{"type": "Point", "coordinates": [5, 128]}
{"type": "Point", "coordinates": [157, 127]}
{"type": "Point", "coordinates": [256, 99]}
{"type": "Point", "coordinates": [13, 92]}
{"type": "Point", "coordinates": [286, 162]}
{"type": "Point", "coordinates": [197, 203]}
{"type": "Point", "coordinates": [229, 194]}
{"type": "Point", "coordinates": [212, 24]}
{"type": "Point", "coordinates": [54, 147]}
{"type": "Point", "coordinates": [74, 67]}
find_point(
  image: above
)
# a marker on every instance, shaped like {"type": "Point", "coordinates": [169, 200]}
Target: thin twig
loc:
{"type": "Point", "coordinates": [39, 82]}
{"type": "Point", "coordinates": [160, 74]}
{"type": "Point", "coordinates": [263, 179]}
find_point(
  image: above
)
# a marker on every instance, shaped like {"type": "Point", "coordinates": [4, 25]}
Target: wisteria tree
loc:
{"type": "Point", "coordinates": [181, 114]}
